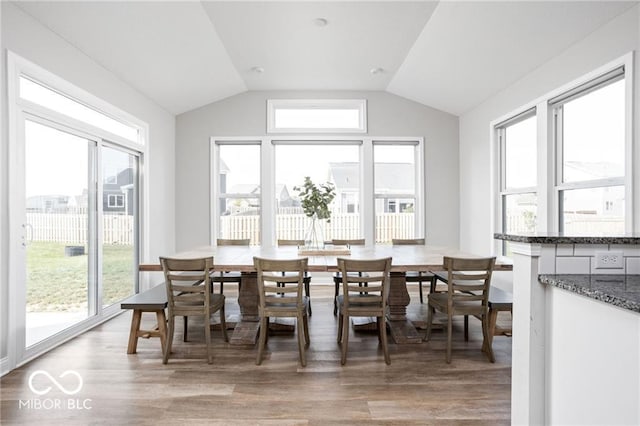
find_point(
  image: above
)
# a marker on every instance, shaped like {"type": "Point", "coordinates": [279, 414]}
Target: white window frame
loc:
{"type": "Point", "coordinates": [548, 158]}
{"type": "Point", "coordinates": [267, 173]}
{"type": "Point", "coordinates": [556, 109]}
{"type": "Point", "coordinates": [355, 104]}
{"type": "Point", "coordinates": [499, 132]}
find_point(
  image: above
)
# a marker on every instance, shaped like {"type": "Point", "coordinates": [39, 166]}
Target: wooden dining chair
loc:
{"type": "Point", "coordinates": [282, 296]}
{"type": "Point", "coordinates": [307, 277]}
{"type": "Point", "coordinates": [337, 277]}
{"type": "Point", "coordinates": [223, 277]}
{"type": "Point", "coordinates": [363, 301]}
{"type": "Point", "coordinates": [419, 276]}
{"type": "Point", "coordinates": [468, 284]}
{"type": "Point", "coordinates": [188, 284]}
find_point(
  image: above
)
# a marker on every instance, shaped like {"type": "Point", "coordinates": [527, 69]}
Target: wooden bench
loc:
{"type": "Point", "coordinates": [499, 300]}
{"type": "Point", "coordinates": [153, 300]}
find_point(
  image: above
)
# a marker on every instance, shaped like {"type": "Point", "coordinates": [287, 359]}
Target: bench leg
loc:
{"type": "Point", "coordinates": [134, 332]}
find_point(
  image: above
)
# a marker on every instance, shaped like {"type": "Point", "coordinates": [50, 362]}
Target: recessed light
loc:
{"type": "Point", "coordinates": [377, 70]}
{"type": "Point", "coordinates": [257, 70]}
{"type": "Point", "coordinates": [320, 22]}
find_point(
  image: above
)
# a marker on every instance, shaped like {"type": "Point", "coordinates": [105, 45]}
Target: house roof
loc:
{"type": "Point", "coordinates": [388, 177]}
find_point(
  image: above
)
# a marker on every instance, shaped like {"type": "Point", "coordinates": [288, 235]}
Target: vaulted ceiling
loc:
{"type": "Point", "coordinates": [450, 55]}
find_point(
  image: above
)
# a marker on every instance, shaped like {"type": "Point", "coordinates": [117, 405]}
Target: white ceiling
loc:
{"type": "Point", "coordinates": [448, 55]}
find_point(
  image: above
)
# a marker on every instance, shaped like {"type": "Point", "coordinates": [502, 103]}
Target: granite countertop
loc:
{"type": "Point", "coordinates": [622, 291]}
{"type": "Point", "coordinates": [541, 238]}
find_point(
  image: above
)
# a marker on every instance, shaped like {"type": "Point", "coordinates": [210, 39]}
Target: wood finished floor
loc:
{"type": "Point", "coordinates": [419, 387]}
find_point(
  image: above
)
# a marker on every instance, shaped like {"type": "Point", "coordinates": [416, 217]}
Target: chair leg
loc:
{"type": "Point", "coordinates": [301, 339]}
{"type": "Point", "coordinates": [466, 328]}
{"type": "Point", "coordinates": [223, 323]}
{"type": "Point", "coordinates": [340, 319]}
{"type": "Point", "coordinates": [486, 343]}
{"type": "Point", "coordinates": [264, 324]}
{"type": "Point", "coordinates": [308, 293]}
{"type": "Point", "coordinates": [335, 300]}
{"type": "Point", "coordinates": [305, 323]}
{"type": "Point", "coordinates": [382, 325]}
{"type": "Point", "coordinates": [427, 337]}
{"type": "Point", "coordinates": [207, 337]}
{"type": "Point", "coordinates": [185, 328]}
{"type": "Point", "coordinates": [345, 338]}
{"type": "Point", "coordinates": [449, 336]}
{"type": "Point", "coordinates": [167, 349]}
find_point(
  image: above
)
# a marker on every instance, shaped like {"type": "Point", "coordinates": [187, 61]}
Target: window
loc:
{"type": "Point", "coordinates": [238, 189]}
{"type": "Point", "coordinates": [115, 200]}
{"type": "Point", "coordinates": [517, 138]}
{"type": "Point", "coordinates": [317, 116]}
{"type": "Point", "coordinates": [395, 180]}
{"type": "Point", "coordinates": [585, 187]}
{"type": "Point", "coordinates": [253, 183]}
{"type": "Point", "coordinates": [589, 131]}
{"type": "Point", "coordinates": [39, 94]}
{"type": "Point", "coordinates": [331, 162]}
{"type": "Point", "coordinates": [62, 141]}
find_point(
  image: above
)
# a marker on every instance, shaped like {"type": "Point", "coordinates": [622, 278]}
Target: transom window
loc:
{"type": "Point", "coordinates": [316, 116]}
{"type": "Point", "coordinates": [39, 94]}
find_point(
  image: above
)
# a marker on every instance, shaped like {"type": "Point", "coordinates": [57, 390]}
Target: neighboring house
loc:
{"type": "Point", "coordinates": [610, 199]}
{"type": "Point", "coordinates": [395, 188]}
{"type": "Point", "coordinates": [49, 203]}
{"type": "Point", "coordinates": [237, 206]}
{"type": "Point", "coordinates": [117, 192]}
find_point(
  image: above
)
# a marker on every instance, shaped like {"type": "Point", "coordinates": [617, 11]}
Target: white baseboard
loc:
{"type": "Point", "coordinates": [4, 366]}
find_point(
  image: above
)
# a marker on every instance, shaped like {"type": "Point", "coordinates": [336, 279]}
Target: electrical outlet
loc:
{"type": "Point", "coordinates": [609, 260]}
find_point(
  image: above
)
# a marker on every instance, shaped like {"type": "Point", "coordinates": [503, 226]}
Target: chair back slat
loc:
{"type": "Point", "coordinates": [297, 243]}
{"type": "Point", "coordinates": [408, 241]}
{"type": "Point", "coordinates": [233, 242]}
{"type": "Point", "coordinates": [348, 243]}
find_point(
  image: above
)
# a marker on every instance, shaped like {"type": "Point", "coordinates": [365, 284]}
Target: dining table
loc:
{"type": "Point", "coordinates": [415, 258]}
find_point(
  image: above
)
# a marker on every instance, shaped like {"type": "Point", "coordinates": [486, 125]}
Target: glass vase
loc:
{"type": "Point", "coordinates": [314, 237]}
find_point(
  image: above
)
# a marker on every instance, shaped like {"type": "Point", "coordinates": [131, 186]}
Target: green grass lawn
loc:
{"type": "Point", "coordinates": [57, 283]}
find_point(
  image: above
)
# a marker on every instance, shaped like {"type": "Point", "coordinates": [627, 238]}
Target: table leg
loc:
{"type": "Point", "coordinates": [246, 330]}
{"type": "Point", "coordinates": [402, 330]}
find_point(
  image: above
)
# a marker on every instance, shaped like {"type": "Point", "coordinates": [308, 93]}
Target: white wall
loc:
{"type": "Point", "coordinates": [611, 41]}
{"type": "Point", "coordinates": [29, 39]}
{"type": "Point", "coordinates": [245, 115]}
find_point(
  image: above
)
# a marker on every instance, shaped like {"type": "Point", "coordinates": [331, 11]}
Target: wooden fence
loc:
{"type": "Point", "coordinates": [342, 226]}
{"type": "Point", "coordinates": [72, 228]}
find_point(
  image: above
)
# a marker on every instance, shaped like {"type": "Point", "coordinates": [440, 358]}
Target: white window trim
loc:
{"type": "Point", "coordinates": [274, 104]}
{"type": "Point", "coordinates": [267, 175]}
{"type": "Point", "coordinates": [548, 208]}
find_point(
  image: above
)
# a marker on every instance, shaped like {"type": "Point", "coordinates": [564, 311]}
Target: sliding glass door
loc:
{"type": "Point", "coordinates": [59, 230]}
{"type": "Point", "coordinates": [80, 238]}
